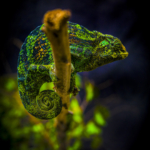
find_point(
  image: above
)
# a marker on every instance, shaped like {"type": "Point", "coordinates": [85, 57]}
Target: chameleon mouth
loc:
{"type": "Point", "coordinates": [125, 53]}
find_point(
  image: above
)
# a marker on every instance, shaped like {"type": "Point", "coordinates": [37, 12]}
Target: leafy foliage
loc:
{"type": "Point", "coordinates": [23, 131]}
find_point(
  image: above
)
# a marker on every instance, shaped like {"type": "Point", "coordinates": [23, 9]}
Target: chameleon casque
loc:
{"type": "Point", "coordinates": [89, 50]}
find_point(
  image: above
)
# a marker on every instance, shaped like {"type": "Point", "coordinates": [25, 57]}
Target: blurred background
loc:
{"type": "Point", "coordinates": [123, 85]}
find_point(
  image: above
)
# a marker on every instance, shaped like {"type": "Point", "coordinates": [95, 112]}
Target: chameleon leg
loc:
{"type": "Point", "coordinates": [36, 76]}
{"type": "Point", "coordinates": [73, 89]}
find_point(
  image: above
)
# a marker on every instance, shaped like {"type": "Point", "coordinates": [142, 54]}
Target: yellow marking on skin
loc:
{"type": "Point", "coordinates": [114, 55]}
{"type": "Point", "coordinates": [42, 44]}
{"type": "Point", "coordinates": [37, 55]}
{"type": "Point", "coordinates": [41, 52]}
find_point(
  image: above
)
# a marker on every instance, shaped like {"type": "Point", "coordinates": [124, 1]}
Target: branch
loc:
{"type": "Point", "coordinates": [56, 30]}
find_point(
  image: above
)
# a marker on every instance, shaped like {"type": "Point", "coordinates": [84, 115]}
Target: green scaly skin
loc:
{"type": "Point", "coordinates": [89, 50]}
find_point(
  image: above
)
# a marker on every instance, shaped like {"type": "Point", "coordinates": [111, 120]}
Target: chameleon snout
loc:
{"type": "Point", "coordinates": [125, 53]}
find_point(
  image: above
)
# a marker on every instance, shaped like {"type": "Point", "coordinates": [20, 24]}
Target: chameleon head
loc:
{"type": "Point", "coordinates": [111, 49]}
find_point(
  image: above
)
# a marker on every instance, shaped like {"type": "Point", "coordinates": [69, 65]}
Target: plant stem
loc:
{"type": "Point", "coordinates": [56, 30]}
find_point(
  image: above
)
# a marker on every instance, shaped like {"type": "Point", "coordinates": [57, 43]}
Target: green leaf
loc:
{"type": "Point", "coordinates": [77, 112]}
{"type": "Point", "coordinates": [71, 95]}
{"type": "Point", "coordinates": [89, 91]}
{"type": "Point", "coordinates": [10, 84]}
{"type": "Point", "coordinates": [96, 142]}
{"type": "Point", "coordinates": [77, 118]}
{"type": "Point", "coordinates": [78, 131]}
{"type": "Point", "coordinates": [38, 127]}
{"type": "Point", "coordinates": [78, 80]}
{"type": "Point", "coordinates": [75, 107]}
{"type": "Point", "coordinates": [76, 145]}
{"type": "Point", "coordinates": [91, 128]}
{"type": "Point", "coordinates": [102, 111]}
{"type": "Point", "coordinates": [99, 118]}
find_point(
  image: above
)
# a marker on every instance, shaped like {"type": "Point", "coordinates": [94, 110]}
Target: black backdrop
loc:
{"type": "Point", "coordinates": [127, 96]}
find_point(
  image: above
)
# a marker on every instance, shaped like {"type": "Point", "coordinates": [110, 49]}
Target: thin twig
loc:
{"type": "Point", "coordinates": [79, 99]}
{"type": "Point", "coordinates": [17, 42]}
{"type": "Point", "coordinates": [84, 104]}
{"type": "Point", "coordinates": [87, 115]}
{"type": "Point", "coordinates": [70, 112]}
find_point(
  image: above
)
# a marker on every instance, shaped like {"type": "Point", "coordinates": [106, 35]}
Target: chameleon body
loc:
{"type": "Point", "coordinates": [89, 50]}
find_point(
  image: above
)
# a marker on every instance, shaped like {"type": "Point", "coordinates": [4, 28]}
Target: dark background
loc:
{"type": "Point", "coordinates": [124, 85]}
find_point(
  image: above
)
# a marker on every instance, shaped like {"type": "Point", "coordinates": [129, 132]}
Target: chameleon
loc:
{"type": "Point", "coordinates": [89, 50]}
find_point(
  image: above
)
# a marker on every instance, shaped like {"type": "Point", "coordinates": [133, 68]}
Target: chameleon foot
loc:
{"type": "Point", "coordinates": [75, 91]}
